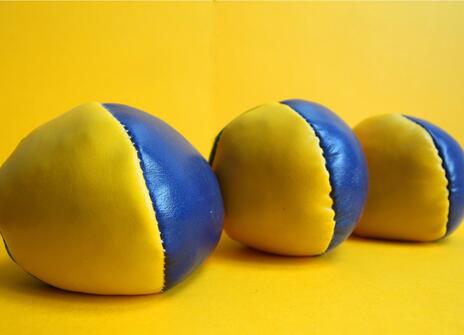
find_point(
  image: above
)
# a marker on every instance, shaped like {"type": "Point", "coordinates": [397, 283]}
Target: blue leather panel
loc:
{"type": "Point", "coordinates": [453, 163]}
{"type": "Point", "coordinates": [345, 162]}
{"type": "Point", "coordinates": [183, 188]}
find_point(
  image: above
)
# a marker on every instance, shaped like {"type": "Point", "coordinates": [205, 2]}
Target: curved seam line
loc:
{"type": "Point", "coordinates": [443, 165]}
{"type": "Point", "coordinates": [326, 165]}
{"type": "Point", "coordinates": [8, 250]}
{"type": "Point", "coordinates": [212, 154]}
{"type": "Point", "coordinates": [151, 195]}
{"type": "Point", "coordinates": [219, 135]}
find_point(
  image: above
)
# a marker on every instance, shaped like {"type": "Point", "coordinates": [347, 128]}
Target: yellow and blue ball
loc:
{"type": "Point", "coordinates": [416, 179]}
{"type": "Point", "coordinates": [293, 178]}
{"type": "Point", "coordinates": [108, 199]}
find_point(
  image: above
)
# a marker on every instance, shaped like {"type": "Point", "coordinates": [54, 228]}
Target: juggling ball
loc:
{"type": "Point", "coordinates": [108, 199]}
{"type": "Point", "coordinates": [293, 178]}
{"type": "Point", "coordinates": [416, 179]}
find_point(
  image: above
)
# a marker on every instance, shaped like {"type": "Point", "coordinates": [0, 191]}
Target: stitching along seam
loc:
{"type": "Point", "coordinates": [326, 165]}
{"type": "Point", "coordinates": [447, 177]}
{"type": "Point", "coordinates": [151, 195]}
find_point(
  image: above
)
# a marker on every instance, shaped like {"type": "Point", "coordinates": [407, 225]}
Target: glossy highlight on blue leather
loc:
{"type": "Point", "coordinates": [345, 163]}
{"type": "Point", "coordinates": [184, 191]}
{"type": "Point", "coordinates": [452, 157]}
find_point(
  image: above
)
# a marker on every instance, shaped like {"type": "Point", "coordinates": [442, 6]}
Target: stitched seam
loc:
{"type": "Point", "coordinates": [443, 165]}
{"type": "Point", "coordinates": [8, 250]}
{"type": "Point", "coordinates": [212, 154]}
{"type": "Point", "coordinates": [151, 195]}
{"type": "Point", "coordinates": [326, 165]}
{"type": "Point", "coordinates": [14, 261]}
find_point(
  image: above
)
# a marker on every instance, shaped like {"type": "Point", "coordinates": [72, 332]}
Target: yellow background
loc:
{"type": "Point", "coordinates": [197, 65]}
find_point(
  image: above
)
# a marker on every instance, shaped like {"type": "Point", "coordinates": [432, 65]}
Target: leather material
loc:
{"type": "Point", "coordinates": [453, 162]}
{"type": "Point", "coordinates": [184, 191]}
{"type": "Point", "coordinates": [274, 182]}
{"type": "Point", "coordinates": [74, 208]}
{"type": "Point", "coordinates": [212, 153]}
{"type": "Point", "coordinates": [408, 195]}
{"type": "Point", "coordinates": [345, 162]}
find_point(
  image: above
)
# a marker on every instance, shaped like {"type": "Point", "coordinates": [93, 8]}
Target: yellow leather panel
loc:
{"type": "Point", "coordinates": [274, 182]}
{"type": "Point", "coordinates": [74, 208]}
{"type": "Point", "coordinates": [408, 198]}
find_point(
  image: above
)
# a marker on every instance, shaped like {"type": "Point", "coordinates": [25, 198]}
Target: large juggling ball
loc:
{"type": "Point", "coordinates": [416, 179]}
{"type": "Point", "coordinates": [293, 178]}
{"type": "Point", "coordinates": [108, 199]}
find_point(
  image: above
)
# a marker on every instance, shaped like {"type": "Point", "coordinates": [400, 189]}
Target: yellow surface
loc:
{"type": "Point", "coordinates": [156, 57]}
{"type": "Point", "coordinates": [275, 187]}
{"type": "Point", "coordinates": [408, 195]}
{"type": "Point", "coordinates": [86, 159]}
{"type": "Point", "coordinates": [362, 287]}
{"type": "Point", "coordinates": [359, 59]}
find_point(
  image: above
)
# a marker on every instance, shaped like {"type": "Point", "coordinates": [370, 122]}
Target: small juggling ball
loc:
{"type": "Point", "coordinates": [107, 199]}
{"type": "Point", "coordinates": [416, 179]}
{"type": "Point", "coordinates": [293, 178]}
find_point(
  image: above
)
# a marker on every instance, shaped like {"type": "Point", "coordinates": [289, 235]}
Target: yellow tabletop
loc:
{"type": "Point", "coordinates": [363, 287]}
